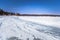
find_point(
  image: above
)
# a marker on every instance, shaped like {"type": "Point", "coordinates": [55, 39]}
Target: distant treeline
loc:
{"type": "Point", "coordinates": [8, 13]}
{"type": "Point", "coordinates": [18, 14]}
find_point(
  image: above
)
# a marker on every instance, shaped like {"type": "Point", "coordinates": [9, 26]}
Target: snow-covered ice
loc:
{"type": "Point", "coordinates": [29, 28]}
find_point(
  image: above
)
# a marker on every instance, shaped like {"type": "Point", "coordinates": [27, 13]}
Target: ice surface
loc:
{"type": "Point", "coordinates": [17, 28]}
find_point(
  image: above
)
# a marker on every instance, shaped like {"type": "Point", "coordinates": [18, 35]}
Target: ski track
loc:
{"type": "Point", "coordinates": [13, 26]}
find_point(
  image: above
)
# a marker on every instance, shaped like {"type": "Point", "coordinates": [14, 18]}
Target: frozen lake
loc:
{"type": "Point", "coordinates": [29, 28]}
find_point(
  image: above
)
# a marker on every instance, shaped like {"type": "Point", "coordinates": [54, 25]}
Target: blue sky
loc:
{"type": "Point", "coordinates": [31, 6]}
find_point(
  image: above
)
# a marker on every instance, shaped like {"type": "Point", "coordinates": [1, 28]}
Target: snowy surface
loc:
{"type": "Point", "coordinates": [29, 28]}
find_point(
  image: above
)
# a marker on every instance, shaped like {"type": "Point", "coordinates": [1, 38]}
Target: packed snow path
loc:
{"type": "Point", "coordinates": [14, 28]}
